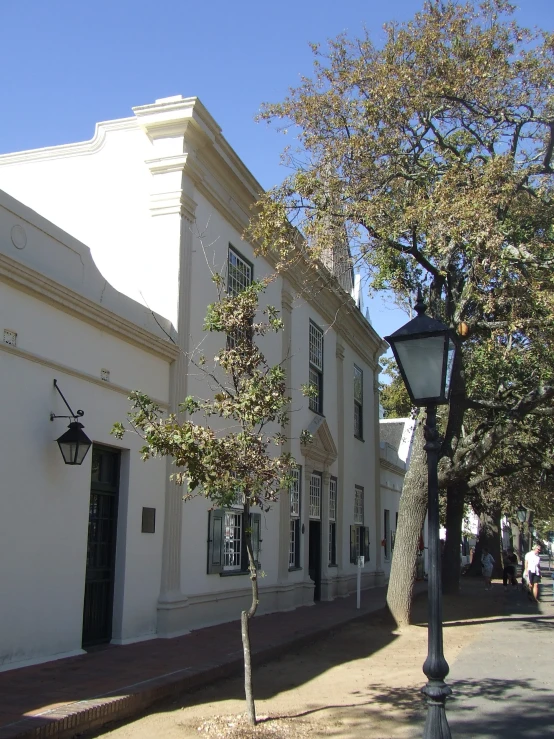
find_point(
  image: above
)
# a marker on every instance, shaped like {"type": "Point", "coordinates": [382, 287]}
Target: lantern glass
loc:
{"type": "Point", "coordinates": [424, 351]}
{"type": "Point", "coordinates": [422, 360]}
{"type": "Point", "coordinates": [74, 444]}
{"type": "Point", "coordinates": [521, 514]}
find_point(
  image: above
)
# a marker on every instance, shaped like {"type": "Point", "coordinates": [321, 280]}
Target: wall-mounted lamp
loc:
{"type": "Point", "coordinates": [74, 444]}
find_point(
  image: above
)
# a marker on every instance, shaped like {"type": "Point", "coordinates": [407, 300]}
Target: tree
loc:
{"type": "Point", "coordinates": [229, 465]}
{"type": "Point", "coordinates": [393, 396]}
{"type": "Point", "coordinates": [433, 154]}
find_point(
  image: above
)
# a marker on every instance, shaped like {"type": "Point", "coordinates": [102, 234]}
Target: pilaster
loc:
{"type": "Point", "coordinates": [339, 353]}
{"type": "Point", "coordinates": [379, 572]}
{"type": "Point", "coordinates": [284, 502]}
{"type": "Point", "coordinates": [305, 513]}
{"type": "Point", "coordinates": [325, 478]}
{"type": "Point", "coordinates": [170, 125]}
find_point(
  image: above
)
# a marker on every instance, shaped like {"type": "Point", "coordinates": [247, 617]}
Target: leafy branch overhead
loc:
{"type": "Point", "coordinates": [232, 463]}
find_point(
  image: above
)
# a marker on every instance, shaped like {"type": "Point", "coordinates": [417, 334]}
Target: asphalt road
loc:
{"type": "Point", "coordinates": [503, 684]}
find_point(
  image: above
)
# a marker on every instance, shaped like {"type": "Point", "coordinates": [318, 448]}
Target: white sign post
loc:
{"type": "Point", "coordinates": [361, 562]}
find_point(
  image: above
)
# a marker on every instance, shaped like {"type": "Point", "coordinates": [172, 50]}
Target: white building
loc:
{"type": "Point", "coordinates": [162, 200]}
{"type": "Point", "coordinates": [396, 439]}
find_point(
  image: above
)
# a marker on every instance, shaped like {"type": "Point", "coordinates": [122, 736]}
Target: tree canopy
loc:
{"type": "Point", "coordinates": [433, 154]}
{"type": "Point", "coordinates": [430, 156]}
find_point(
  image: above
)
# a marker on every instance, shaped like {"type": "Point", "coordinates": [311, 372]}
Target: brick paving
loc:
{"type": "Point", "coordinates": [64, 697]}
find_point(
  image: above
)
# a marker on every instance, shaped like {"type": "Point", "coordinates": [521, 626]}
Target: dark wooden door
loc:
{"type": "Point", "coordinates": [314, 565]}
{"type": "Point", "coordinates": [102, 529]}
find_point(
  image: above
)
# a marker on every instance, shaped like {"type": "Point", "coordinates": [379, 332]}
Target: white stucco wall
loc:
{"type": "Point", "coordinates": [44, 504]}
{"type": "Point", "coordinates": [159, 198]}
{"type": "Point", "coordinates": [99, 192]}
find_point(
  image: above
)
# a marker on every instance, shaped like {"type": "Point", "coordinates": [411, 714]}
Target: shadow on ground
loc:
{"type": "Point", "coordinates": [366, 637]}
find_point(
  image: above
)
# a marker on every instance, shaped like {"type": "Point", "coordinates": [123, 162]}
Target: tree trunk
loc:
{"type": "Point", "coordinates": [455, 497]}
{"type": "Point", "coordinates": [411, 515]}
{"type": "Point", "coordinates": [245, 618]}
{"type": "Point", "coordinates": [489, 538]}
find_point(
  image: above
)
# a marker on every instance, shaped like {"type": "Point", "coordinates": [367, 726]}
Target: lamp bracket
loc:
{"type": "Point", "coordinates": [75, 416]}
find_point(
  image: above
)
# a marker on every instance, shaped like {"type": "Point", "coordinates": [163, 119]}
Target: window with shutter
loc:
{"type": "Point", "coordinates": [358, 403]}
{"type": "Point", "coordinates": [215, 541]}
{"type": "Point", "coordinates": [256, 526]}
{"type": "Point", "coordinates": [227, 542]}
{"type": "Point", "coordinates": [386, 525]}
{"type": "Point", "coordinates": [359, 543]}
{"type": "Point", "coordinates": [332, 521]}
{"type": "Point", "coordinates": [294, 531]}
{"type": "Point", "coordinates": [353, 544]}
{"type": "Point", "coordinates": [358, 504]}
{"type": "Point", "coordinates": [366, 544]}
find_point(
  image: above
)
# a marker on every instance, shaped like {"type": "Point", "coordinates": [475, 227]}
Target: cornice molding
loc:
{"type": "Point", "coordinates": [63, 298]}
{"type": "Point", "coordinates": [388, 465]}
{"type": "Point", "coordinates": [169, 203]}
{"type": "Point", "coordinates": [163, 165]}
{"type": "Point", "coordinates": [341, 313]}
{"type": "Point", "coordinates": [287, 301]}
{"type": "Point", "coordinates": [66, 369]}
{"type": "Point", "coordinates": [386, 486]}
{"type": "Point", "coordinates": [81, 148]}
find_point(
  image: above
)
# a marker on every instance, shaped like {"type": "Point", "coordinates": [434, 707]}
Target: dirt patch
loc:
{"type": "Point", "coordinates": [361, 681]}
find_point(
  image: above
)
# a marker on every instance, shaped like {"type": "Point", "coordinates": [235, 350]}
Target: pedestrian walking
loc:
{"type": "Point", "coordinates": [487, 563]}
{"type": "Point", "coordinates": [532, 571]}
{"type": "Point", "coordinates": [509, 571]}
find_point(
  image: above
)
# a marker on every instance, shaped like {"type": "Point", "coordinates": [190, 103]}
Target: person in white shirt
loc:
{"type": "Point", "coordinates": [532, 570]}
{"type": "Point", "coordinates": [487, 563]}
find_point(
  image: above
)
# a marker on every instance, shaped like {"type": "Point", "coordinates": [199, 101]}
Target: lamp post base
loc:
{"type": "Point", "coordinates": [436, 725]}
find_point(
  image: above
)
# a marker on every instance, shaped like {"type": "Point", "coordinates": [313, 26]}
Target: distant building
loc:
{"type": "Point", "coordinates": [396, 438]}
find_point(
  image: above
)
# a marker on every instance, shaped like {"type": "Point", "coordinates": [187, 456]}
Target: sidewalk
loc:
{"type": "Point", "coordinates": [503, 683]}
{"type": "Point", "coordinates": [61, 698]}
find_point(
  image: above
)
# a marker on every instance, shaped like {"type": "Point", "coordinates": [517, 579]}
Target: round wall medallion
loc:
{"type": "Point", "coordinates": [19, 237]}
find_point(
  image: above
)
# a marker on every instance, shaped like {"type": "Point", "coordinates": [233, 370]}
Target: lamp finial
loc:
{"type": "Point", "coordinates": [420, 306]}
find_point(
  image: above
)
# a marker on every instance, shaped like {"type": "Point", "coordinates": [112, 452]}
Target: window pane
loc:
{"type": "Point", "coordinates": [239, 274]}
{"type": "Point", "coordinates": [332, 499]}
{"type": "Point", "coordinates": [316, 347]}
{"type": "Point", "coordinates": [358, 428]}
{"type": "Point", "coordinates": [332, 543]}
{"type": "Point", "coordinates": [358, 385]}
{"type": "Point", "coordinates": [358, 504]}
{"type": "Point", "coordinates": [315, 496]}
{"type": "Point", "coordinates": [387, 533]}
{"type": "Point", "coordinates": [295, 494]}
{"type": "Point", "coordinates": [315, 381]}
{"type": "Point", "coordinates": [232, 541]}
{"type": "Point", "coordinates": [293, 543]}
{"type": "Point", "coordinates": [359, 542]}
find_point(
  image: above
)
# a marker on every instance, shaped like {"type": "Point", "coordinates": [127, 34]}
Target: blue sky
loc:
{"type": "Point", "coordinates": [66, 64]}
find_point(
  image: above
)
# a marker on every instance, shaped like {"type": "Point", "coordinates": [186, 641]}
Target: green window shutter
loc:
{"type": "Point", "coordinates": [353, 548]}
{"type": "Point", "coordinates": [256, 526]}
{"type": "Point", "coordinates": [366, 543]}
{"type": "Point", "coordinates": [215, 541]}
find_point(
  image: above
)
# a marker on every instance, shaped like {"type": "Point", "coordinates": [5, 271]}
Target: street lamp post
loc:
{"type": "Point", "coordinates": [424, 350]}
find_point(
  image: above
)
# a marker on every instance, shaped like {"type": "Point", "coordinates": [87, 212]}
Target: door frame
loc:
{"type": "Point", "coordinates": [315, 563]}
{"type": "Point", "coordinates": [112, 488]}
